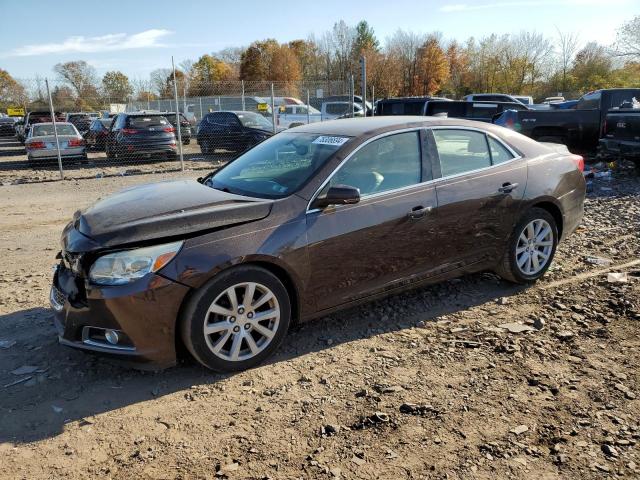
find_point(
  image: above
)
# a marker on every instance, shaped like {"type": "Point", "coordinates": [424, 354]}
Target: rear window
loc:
{"type": "Point", "coordinates": [46, 130]}
{"type": "Point", "coordinates": [147, 122]}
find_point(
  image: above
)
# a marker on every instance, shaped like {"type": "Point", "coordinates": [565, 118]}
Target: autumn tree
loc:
{"type": "Point", "coordinates": [592, 67]}
{"type": "Point", "coordinates": [268, 60]}
{"type": "Point", "coordinates": [205, 72]}
{"type": "Point", "coordinates": [458, 61]}
{"type": "Point", "coordinates": [79, 75]}
{"type": "Point", "coordinates": [12, 93]}
{"type": "Point", "coordinates": [432, 68]}
{"type": "Point", "coordinates": [116, 87]}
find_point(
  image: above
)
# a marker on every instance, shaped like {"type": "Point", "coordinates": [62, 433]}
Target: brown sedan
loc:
{"type": "Point", "coordinates": [312, 220]}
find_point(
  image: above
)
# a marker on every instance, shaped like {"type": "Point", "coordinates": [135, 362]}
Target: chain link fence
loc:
{"type": "Point", "coordinates": [64, 130]}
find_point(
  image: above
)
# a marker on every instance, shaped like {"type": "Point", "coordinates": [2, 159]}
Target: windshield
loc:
{"type": "Point", "coordinates": [47, 129]}
{"type": "Point", "coordinates": [253, 120]}
{"type": "Point", "coordinates": [278, 166]}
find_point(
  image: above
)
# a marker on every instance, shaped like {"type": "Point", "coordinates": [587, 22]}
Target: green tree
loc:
{"type": "Point", "coordinates": [365, 41]}
{"type": "Point", "coordinates": [116, 87]}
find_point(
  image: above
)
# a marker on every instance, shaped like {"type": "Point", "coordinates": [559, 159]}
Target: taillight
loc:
{"type": "Point", "coordinates": [169, 129]}
{"type": "Point", "coordinates": [510, 123]}
{"type": "Point", "coordinates": [74, 142]}
{"type": "Point", "coordinates": [579, 161]}
{"type": "Point", "coordinates": [129, 131]}
{"type": "Point", "coordinates": [35, 145]}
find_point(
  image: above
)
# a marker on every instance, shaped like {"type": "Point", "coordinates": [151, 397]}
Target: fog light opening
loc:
{"type": "Point", "coordinates": [112, 337]}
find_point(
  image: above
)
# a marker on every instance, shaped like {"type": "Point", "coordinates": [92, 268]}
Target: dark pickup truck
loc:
{"type": "Point", "coordinates": [621, 134]}
{"type": "Point", "coordinates": [436, 106]}
{"type": "Point", "coordinates": [580, 128]}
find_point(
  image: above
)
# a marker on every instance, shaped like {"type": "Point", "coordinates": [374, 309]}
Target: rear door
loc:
{"type": "Point", "coordinates": [480, 191]}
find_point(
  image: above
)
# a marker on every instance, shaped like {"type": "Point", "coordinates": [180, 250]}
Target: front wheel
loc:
{"type": "Point", "coordinates": [531, 248]}
{"type": "Point", "coordinates": [237, 320]}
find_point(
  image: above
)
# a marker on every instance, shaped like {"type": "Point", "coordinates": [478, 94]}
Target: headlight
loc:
{"type": "Point", "coordinates": [125, 267]}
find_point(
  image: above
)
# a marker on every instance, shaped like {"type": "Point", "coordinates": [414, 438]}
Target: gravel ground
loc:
{"type": "Point", "coordinates": [425, 384]}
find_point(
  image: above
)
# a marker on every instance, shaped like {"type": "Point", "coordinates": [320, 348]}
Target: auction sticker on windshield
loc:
{"type": "Point", "coordinates": [326, 140]}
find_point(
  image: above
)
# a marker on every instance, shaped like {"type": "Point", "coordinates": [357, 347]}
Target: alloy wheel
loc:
{"type": "Point", "coordinates": [534, 247]}
{"type": "Point", "coordinates": [242, 321]}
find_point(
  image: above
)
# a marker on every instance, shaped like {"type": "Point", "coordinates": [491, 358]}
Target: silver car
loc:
{"type": "Point", "coordinates": [41, 142]}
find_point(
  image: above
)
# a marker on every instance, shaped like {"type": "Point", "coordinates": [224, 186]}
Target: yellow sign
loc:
{"type": "Point", "coordinates": [263, 107]}
{"type": "Point", "coordinates": [15, 111]}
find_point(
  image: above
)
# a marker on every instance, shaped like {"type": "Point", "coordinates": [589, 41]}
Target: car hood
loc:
{"type": "Point", "coordinates": [163, 210]}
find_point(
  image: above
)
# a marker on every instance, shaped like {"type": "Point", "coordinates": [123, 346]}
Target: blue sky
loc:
{"type": "Point", "coordinates": [140, 36]}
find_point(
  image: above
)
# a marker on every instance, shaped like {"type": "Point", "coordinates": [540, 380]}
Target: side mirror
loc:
{"type": "Point", "coordinates": [338, 195]}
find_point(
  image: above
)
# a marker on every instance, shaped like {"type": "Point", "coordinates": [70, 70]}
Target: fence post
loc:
{"type": "Point", "coordinates": [243, 105]}
{"type": "Point", "coordinates": [219, 104]}
{"type": "Point", "coordinates": [273, 110]}
{"type": "Point", "coordinates": [55, 128]}
{"type": "Point", "coordinates": [373, 100]}
{"type": "Point", "coordinates": [308, 109]}
{"type": "Point", "coordinates": [351, 94]}
{"type": "Point", "coordinates": [175, 92]}
{"type": "Point", "coordinates": [200, 101]}
{"type": "Point", "coordinates": [363, 60]}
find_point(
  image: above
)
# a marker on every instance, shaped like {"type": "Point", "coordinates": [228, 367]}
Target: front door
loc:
{"type": "Point", "coordinates": [479, 195]}
{"type": "Point", "coordinates": [362, 249]}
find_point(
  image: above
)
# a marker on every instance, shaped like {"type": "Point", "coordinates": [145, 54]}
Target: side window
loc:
{"type": "Point", "coordinates": [591, 101]}
{"type": "Point", "coordinates": [461, 151]}
{"type": "Point", "coordinates": [288, 110]}
{"type": "Point", "coordinates": [499, 154]}
{"type": "Point", "coordinates": [385, 164]}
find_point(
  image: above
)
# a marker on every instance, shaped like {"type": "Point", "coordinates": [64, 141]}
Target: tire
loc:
{"type": "Point", "coordinates": [186, 141]}
{"type": "Point", "coordinates": [204, 148]}
{"type": "Point", "coordinates": [509, 268]}
{"type": "Point", "coordinates": [227, 329]}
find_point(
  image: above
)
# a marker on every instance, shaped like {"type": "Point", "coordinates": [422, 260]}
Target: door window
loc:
{"type": "Point", "coordinates": [385, 164]}
{"type": "Point", "coordinates": [591, 101]}
{"type": "Point", "coordinates": [461, 151]}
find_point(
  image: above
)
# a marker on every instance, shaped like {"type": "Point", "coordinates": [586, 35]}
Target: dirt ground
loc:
{"type": "Point", "coordinates": [420, 385]}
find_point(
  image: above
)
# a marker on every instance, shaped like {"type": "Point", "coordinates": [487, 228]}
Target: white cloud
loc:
{"type": "Point", "coordinates": [104, 43]}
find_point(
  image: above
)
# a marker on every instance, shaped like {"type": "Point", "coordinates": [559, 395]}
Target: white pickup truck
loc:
{"type": "Point", "coordinates": [294, 115]}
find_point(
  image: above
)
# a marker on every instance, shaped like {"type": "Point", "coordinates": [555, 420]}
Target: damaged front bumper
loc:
{"type": "Point", "coordinates": [135, 322]}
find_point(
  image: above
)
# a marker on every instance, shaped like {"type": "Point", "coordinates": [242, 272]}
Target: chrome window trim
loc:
{"type": "Point", "coordinates": [516, 156]}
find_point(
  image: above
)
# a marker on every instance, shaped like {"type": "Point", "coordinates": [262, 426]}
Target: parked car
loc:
{"type": "Point", "coordinates": [36, 116]}
{"type": "Point", "coordinates": [81, 120]}
{"type": "Point", "coordinates": [295, 115]}
{"type": "Point", "coordinates": [41, 142]}
{"type": "Point", "coordinates": [491, 97]}
{"type": "Point", "coordinates": [7, 126]}
{"type": "Point", "coordinates": [339, 109]}
{"type": "Point", "coordinates": [621, 134]}
{"type": "Point", "coordinates": [141, 135]}
{"type": "Point", "coordinates": [314, 219]}
{"type": "Point", "coordinates": [232, 131]}
{"type": "Point", "coordinates": [185, 126]}
{"type": "Point", "coordinates": [404, 105]}
{"type": "Point", "coordinates": [96, 136]}
{"type": "Point", "coordinates": [357, 99]}
{"type": "Point", "coordinates": [479, 111]}
{"type": "Point", "coordinates": [579, 128]}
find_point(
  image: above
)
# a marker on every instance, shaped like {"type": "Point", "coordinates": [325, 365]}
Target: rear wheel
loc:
{"type": "Point", "coordinates": [531, 248]}
{"type": "Point", "coordinates": [237, 320]}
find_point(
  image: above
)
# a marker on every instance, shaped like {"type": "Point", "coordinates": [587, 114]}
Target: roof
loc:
{"type": "Point", "coordinates": [354, 127]}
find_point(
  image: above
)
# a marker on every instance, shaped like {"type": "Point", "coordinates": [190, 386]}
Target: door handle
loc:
{"type": "Point", "coordinates": [419, 212]}
{"type": "Point", "coordinates": [508, 187]}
